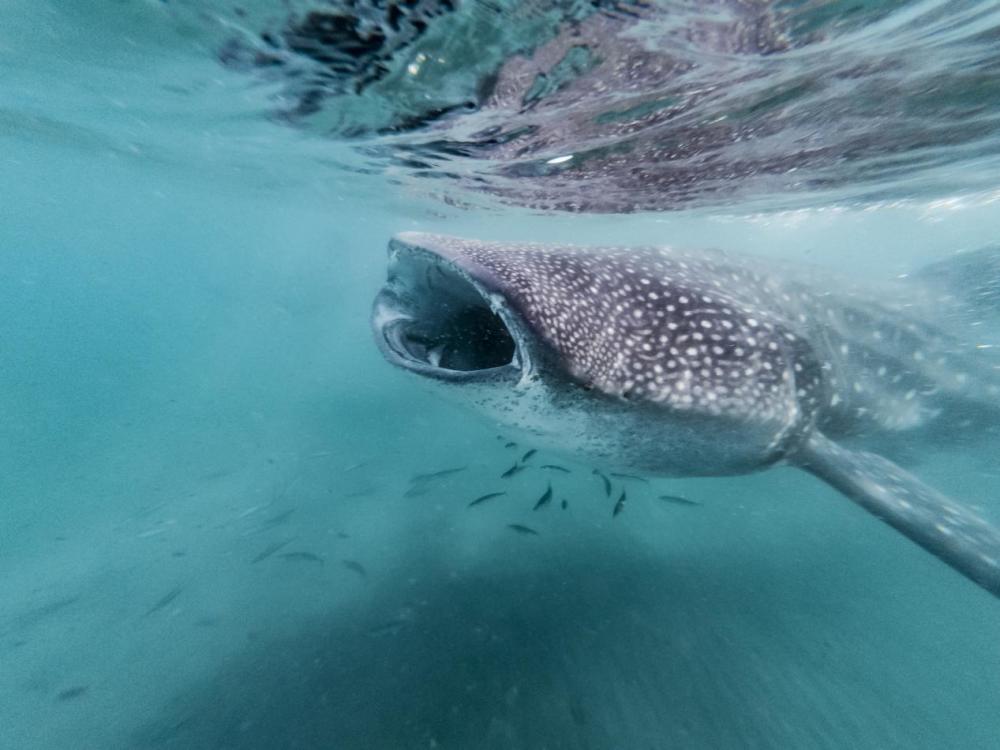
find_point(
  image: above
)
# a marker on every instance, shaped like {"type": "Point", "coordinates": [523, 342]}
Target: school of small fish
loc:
{"type": "Point", "coordinates": [284, 547]}
{"type": "Point", "coordinates": [607, 483]}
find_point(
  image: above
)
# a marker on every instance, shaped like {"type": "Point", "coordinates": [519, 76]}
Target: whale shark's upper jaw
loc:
{"type": "Point", "coordinates": [444, 318]}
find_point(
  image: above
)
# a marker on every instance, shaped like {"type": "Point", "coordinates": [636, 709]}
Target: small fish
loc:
{"type": "Point", "coordinates": [277, 520]}
{"type": "Point", "coordinates": [360, 492]}
{"type": "Point", "coordinates": [607, 482]}
{"type": "Point", "coordinates": [528, 455]}
{"type": "Point", "coordinates": [631, 477]}
{"type": "Point", "coordinates": [677, 499]}
{"type": "Point", "coordinates": [420, 478]}
{"type": "Point", "coordinates": [70, 693]}
{"type": "Point", "coordinates": [304, 556]}
{"type": "Point", "coordinates": [270, 550]}
{"type": "Point", "coordinates": [147, 511]}
{"type": "Point", "coordinates": [555, 467]}
{"type": "Point", "coordinates": [417, 490]}
{"type": "Point", "coordinates": [343, 535]}
{"type": "Point", "coordinates": [511, 445]}
{"type": "Point", "coordinates": [520, 529]}
{"type": "Point", "coordinates": [213, 475]}
{"type": "Point", "coordinates": [484, 498]}
{"type": "Point", "coordinates": [165, 601]}
{"type": "Point", "coordinates": [619, 506]}
{"type": "Point", "coordinates": [512, 471]}
{"type": "Point", "coordinates": [565, 505]}
{"type": "Point", "coordinates": [356, 567]}
{"type": "Point", "coordinates": [389, 628]}
{"type": "Point", "coordinates": [545, 498]}
{"type": "Point", "coordinates": [33, 616]}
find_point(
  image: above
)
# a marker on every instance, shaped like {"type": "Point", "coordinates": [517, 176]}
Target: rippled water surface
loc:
{"type": "Point", "coordinates": [216, 524]}
{"type": "Point", "coordinates": [638, 106]}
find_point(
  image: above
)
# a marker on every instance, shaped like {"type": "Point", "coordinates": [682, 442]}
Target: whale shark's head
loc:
{"type": "Point", "coordinates": [618, 353]}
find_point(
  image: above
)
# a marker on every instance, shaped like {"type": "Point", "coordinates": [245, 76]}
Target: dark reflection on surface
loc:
{"type": "Point", "coordinates": [626, 106]}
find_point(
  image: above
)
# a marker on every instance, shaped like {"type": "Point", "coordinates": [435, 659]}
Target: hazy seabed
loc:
{"type": "Point", "coordinates": [210, 536]}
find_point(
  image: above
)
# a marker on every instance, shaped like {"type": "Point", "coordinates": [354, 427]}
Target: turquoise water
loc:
{"type": "Point", "coordinates": [188, 381]}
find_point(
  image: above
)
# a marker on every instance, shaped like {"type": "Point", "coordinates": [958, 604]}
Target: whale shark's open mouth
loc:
{"type": "Point", "coordinates": [434, 317]}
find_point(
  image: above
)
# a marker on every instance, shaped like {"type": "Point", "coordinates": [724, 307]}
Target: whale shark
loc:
{"type": "Point", "coordinates": [678, 362]}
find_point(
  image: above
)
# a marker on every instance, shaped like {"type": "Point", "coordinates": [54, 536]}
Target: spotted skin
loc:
{"type": "Point", "coordinates": [652, 329]}
{"type": "Point", "coordinates": [679, 362]}
{"type": "Point", "coordinates": [712, 333]}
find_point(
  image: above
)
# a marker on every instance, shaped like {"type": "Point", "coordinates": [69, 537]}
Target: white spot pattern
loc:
{"type": "Point", "coordinates": [605, 312]}
{"type": "Point", "coordinates": [670, 326]}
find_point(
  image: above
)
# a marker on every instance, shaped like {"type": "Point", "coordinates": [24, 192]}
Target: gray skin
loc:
{"type": "Point", "coordinates": [682, 363]}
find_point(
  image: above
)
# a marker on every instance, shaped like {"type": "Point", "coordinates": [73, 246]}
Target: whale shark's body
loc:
{"type": "Point", "coordinates": [689, 363]}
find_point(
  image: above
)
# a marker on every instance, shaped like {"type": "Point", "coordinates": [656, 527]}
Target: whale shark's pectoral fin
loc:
{"type": "Point", "coordinates": [954, 533]}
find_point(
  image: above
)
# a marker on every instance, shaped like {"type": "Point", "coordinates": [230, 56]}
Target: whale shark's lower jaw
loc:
{"type": "Point", "coordinates": [434, 318]}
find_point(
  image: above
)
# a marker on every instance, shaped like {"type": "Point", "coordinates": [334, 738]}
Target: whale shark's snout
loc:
{"type": "Point", "coordinates": [442, 316]}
